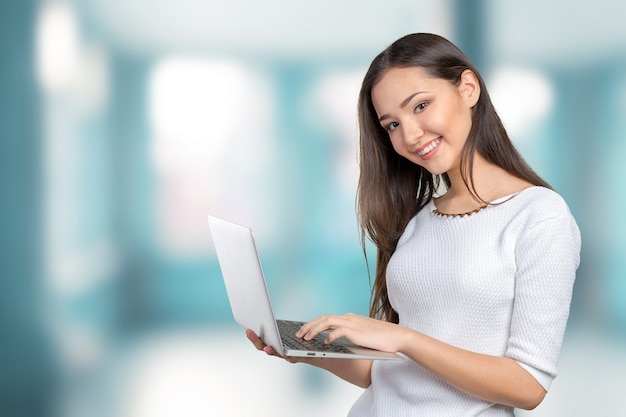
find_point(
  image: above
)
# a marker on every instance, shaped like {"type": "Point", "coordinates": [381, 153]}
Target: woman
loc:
{"type": "Point", "coordinates": [476, 254]}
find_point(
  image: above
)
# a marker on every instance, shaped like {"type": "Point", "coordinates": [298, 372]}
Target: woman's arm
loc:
{"type": "Point", "coordinates": [497, 379]}
{"type": "Point", "coordinates": [355, 371]}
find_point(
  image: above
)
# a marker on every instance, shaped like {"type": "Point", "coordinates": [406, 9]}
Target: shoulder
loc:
{"type": "Point", "coordinates": [540, 210]}
{"type": "Point", "coordinates": [539, 203]}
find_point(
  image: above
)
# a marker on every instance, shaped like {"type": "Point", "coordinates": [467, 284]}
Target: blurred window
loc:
{"type": "Point", "coordinates": [209, 121]}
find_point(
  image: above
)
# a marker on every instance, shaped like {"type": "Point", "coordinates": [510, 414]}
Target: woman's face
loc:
{"type": "Point", "coordinates": [428, 119]}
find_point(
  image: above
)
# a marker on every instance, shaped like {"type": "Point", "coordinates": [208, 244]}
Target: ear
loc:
{"type": "Point", "coordinates": [469, 87]}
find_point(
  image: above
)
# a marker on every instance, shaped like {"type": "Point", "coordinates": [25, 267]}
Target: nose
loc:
{"type": "Point", "coordinates": [412, 133]}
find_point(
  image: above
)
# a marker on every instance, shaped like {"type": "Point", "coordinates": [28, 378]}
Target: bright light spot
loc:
{"type": "Point", "coordinates": [523, 99]}
{"type": "Point", "coordinates": [209, 124]}
{"type": "Point", "coordinates": [197, 107]}
{"type": "Point", "coordinates": [58, 46]}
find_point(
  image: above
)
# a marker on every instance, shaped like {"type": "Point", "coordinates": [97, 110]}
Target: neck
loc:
{"type": "Point", "coordinates": [488, 182]}
{"type": "Point", "coordinates": [478, 186]}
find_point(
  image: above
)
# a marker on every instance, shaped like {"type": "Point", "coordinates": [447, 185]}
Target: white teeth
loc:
{"type": "Point", "coordinates": [429, 148]}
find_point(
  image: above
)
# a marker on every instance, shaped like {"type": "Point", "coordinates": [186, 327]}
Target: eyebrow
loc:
{"type": "Point", "coordinates": [404, 103]}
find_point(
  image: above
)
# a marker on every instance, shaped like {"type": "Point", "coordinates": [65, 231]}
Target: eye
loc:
{"type": "Point", "coordinates": [421, 106]}
{"type": "Point", "coordinates": [391, 126]}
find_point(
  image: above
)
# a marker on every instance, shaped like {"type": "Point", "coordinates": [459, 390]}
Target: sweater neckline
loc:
{"type": "Point", "coordinates": [495, 202]}
{"type": "Point", "coordinates": [467, 213]}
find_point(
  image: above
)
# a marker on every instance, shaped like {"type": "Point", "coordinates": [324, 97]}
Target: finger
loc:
{"type": "Point", "coordinates": [294, 359]}
{"type": "Point", "coordinates": [260, 345]}
{"type": "Point", "coordinates": [256, 340]}
{"type": "Point", "coordinates": [336, 334]}
{"type": "Point", "coordinates": [307, 330]}
{"type": "Point", "coordinates": [314, 327]}
{"type": "Point", "coordinates": [270, 351]}
{"type": "Point", "coordinates": [340, 326]}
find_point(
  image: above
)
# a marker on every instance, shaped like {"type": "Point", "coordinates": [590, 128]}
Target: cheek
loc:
{"type": "Point", "coordinates": [464, 125]}
{"type": "Point", "coordinates": [396, 144]}
{"type": "Point", "coordinates": [457, 121]}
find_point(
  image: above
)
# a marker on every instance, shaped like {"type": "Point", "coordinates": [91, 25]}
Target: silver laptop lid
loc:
{"type": "Point", "coordinates": [243, 277]}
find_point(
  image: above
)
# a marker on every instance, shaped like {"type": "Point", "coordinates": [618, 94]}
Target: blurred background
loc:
{"type": "Point", "coordinates": [125, 122]}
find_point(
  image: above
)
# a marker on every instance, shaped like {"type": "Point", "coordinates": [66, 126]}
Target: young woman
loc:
{"type": "Point", "coordinates": [476, 254]}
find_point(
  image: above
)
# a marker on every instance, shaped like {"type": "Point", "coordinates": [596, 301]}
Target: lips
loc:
{"type": "Point", "coordinates": [429, 147]}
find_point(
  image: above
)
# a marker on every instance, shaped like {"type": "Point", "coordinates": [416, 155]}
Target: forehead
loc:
{"type": "Point", "coordinates": [401, 72]}
{"type": "Point", "coordinates": [406, 80]}
{"type": "Point", "coordinates": [398, 84]}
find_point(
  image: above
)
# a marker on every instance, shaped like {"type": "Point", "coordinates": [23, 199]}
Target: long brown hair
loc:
{"type": "Point", "coordinates": [391, 189]}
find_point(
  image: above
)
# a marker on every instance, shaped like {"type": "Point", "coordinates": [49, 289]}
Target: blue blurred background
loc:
{"type": "Point", "coordinates": [124, 122]}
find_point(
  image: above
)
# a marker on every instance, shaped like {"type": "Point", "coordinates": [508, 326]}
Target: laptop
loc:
{"type": "Point", "coordinates": [250, 302]}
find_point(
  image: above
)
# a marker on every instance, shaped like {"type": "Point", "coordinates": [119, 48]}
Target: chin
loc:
{"type": "Point", "coordinates": [434, 170]}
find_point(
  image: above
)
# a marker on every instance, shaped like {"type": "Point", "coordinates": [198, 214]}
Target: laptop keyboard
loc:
{"type": "Point", "coordinates": [287, 330]}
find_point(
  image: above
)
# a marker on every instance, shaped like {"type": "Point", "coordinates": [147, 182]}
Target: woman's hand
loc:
{"type": "Point", "coordinates": [357, 372]}
{"type": "Point", "coordinates": [260, 345]}
{"type": "Point", "coordinates": [361, 330]}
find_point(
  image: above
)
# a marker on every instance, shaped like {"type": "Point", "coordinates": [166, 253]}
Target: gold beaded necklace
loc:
{"type": "Point", "coordinates": [467, 213]}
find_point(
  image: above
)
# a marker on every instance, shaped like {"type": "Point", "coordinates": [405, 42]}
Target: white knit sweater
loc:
{"type": "Point", "coordinates": [497, 282]}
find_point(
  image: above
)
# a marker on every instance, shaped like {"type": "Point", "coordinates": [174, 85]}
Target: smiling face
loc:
{"type": "Point", "coordinates": [428, 119]}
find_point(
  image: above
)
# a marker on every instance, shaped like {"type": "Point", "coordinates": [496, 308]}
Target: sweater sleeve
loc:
{"type": "Point", "coordinates": [547, 256]}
